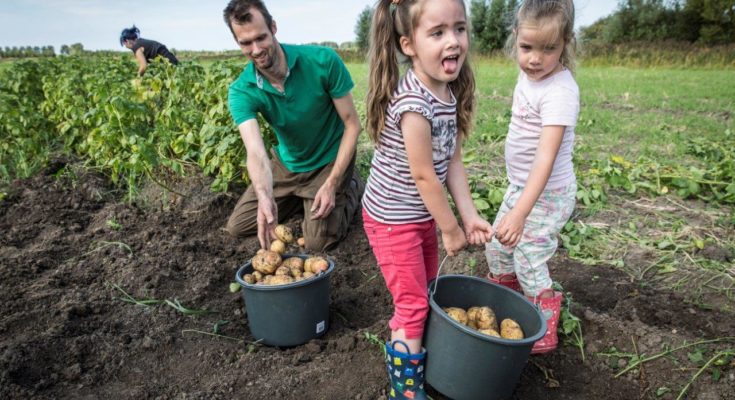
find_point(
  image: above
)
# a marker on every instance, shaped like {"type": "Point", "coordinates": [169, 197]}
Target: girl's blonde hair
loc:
{"type": "Point", "coordinates": [541, 12]}
{"type": "Point", "coordinates": [390, 22]}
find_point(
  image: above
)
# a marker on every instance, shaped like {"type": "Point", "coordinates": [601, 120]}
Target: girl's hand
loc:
{"type": "Point", "coordinates": [510, 228]}
{"type": "Point", "coordinates": [478, 230]}
{"type": "Point", "coordinates": [454, 241]}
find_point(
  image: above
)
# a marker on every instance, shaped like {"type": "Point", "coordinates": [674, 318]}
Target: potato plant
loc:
{"type": "Point", "coordinates": [129, 128]}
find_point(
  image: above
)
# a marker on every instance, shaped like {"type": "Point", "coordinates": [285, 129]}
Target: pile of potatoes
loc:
{"type": "Point", "coordinates": [271, 269]}
{"type": "Point", "coordinates": [483, 320]}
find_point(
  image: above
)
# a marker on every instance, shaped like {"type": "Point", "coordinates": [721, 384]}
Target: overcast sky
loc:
{"type": "Point", "coordinates": [190, 24]}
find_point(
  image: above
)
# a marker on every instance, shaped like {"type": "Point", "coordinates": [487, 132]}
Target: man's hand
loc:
{"type": "Point", "coordinates": [267, 221]}
{"type": "Point", "coordinates": [324, 200]}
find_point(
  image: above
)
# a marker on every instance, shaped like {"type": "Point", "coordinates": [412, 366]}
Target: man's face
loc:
{"type": "Point", "coordinates": [257, 41]}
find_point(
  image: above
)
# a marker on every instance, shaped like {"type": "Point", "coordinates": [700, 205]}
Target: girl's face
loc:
{"type": "Point", "coordinates": [539, 56]}
{"type": "Point", "coordinates": [129, 43]}
{"type": "Point", "coordinates": [439, 45]}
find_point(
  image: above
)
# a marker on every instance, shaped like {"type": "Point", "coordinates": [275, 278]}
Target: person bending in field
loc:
{"type": "Point", "coordinates": [304, 93]}
{"type": "Point", "coordinates": [145, 50]}
{"type": "Point", "coordinates": [538, 155]}
{"type": "Point", "coordinates": [418, 123]}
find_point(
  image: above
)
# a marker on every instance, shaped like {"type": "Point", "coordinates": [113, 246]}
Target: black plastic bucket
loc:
{"type": "Point", "coordinates": [462, 363]}
{"type": "Point", "coordinates": [290, 314]}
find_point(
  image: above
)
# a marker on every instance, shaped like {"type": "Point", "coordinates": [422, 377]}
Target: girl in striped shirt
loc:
{"type": "Point", "coordinates": [417, 122]}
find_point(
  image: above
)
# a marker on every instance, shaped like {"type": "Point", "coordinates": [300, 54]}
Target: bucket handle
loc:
{"type": "Point", "coordinates": [436, 280]}
{"type": "Point", "coordinates": [518, 249]}
{"type": "Point", "coordinates": [438, 273]}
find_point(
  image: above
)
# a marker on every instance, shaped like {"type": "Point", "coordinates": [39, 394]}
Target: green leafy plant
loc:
{"type": "Point", "coordinates": [113, 224]}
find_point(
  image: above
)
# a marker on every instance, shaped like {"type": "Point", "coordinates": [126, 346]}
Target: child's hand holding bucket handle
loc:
{"type": "Point", "coordinates": [454, 241]}
{"type": "Point", "coordinates": [477, 230]}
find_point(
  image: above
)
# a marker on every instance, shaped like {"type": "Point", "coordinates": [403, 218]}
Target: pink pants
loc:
{"type": "Point", "coordinates": [408, 256]}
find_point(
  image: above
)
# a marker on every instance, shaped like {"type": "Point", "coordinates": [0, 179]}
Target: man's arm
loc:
{"type": "Point", "coordinates": [324, 200]}
{"type": "Point", "coordinates": [261, 177]}
{"type": "Point", "coordinates": [142, 62]}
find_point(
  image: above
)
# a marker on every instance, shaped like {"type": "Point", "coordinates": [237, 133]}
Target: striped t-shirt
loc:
{"type": "Point", "coordinates": [391, 196]}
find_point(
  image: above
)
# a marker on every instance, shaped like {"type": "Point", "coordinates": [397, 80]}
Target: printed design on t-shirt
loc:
{"type": "Point", "coordinates": [524, 107]}
{"type": "Point", "coordinates": [443, 133]}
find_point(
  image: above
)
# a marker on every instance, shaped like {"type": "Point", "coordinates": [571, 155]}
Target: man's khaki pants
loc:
{"type": "Point", "coordinates": [294, 193]}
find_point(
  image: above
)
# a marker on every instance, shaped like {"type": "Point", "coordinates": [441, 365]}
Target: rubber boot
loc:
{"type": "Point", "coordinates": [550, 309]}
{"type": "Point", "coordinates": [509, 280]}
{"type": "Point", "coordinates": [406, 372]}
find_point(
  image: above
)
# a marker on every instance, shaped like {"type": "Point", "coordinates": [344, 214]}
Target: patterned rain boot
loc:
{"type": "Point", "coordinates": [509, 280]}
{"type": "Point", "coordinates": [550, 309]}
{"type": "Point", "coordinates": [406, 372]}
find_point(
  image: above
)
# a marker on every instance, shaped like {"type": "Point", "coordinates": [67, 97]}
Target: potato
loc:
{"type": "Point", "coordinates": [301, 242]}
{"type": "Point", "coordinates": [308, 274]}
{"type": "Point", "coordinates": [280, 280]}
{"type": "Point", "coordinates": [510, 329]}
{"type": "Point", "coordinates": [283, 270]}
{"type": "Point", "coordinates": [316, 265]}
{"type": "Point", "coordinates": [457, 314]}
{"type": "Point", "coordinates": [249, 278]}
{"type": "Point", "coordinates": [272, 258]}
{"type": "Point", "coordinates": [294, 262]}
{"type": "Point", "coordinates": [258, 260]}
{"type": "Point", "coordinates": [296, 273]}
{"type": "Point", "coordinates": [266, 262]}
{"type": "Point", "coordinates": [484, 317]}
{"type": "Point", "coordinates": [471, 324]}
{"type": "Point", "coordinates": [284, 233]}
{"type": "Point", "coordinates": [489, 332]}
{"type": "Point", "coordinates": [278, 246]}
{"type": "Point", "coordinates": [258, 276]}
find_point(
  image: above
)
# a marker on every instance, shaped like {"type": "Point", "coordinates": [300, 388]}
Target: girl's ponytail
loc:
{"type": "Point", "coordinates": [129, 34]}
{"type": "Point", "coordinates": [384, 72]}
{"type": "Point", "coordinates": [464, 91]}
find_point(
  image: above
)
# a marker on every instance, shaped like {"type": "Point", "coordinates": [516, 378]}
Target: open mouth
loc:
{"type": "Point", "coordinates": [451, 64]}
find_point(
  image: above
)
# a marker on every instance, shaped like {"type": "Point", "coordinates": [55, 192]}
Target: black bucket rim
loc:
{"type": "Point", "coordinates": [465, 329]}
{"type": "Point", "coordinates": [268, 288]}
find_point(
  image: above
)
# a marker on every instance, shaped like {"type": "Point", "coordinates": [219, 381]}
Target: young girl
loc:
{"type": "Point", "coordinates": [538, 155]}
{"type": "Point", "coordinates": [145, 50]}
{"type": "Point", "coordinates": [417, 123]}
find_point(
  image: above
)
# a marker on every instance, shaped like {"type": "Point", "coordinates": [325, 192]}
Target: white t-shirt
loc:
{"type": "Point", "coordinates": [552, 101]}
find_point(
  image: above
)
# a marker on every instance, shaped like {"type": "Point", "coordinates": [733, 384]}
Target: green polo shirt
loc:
{"type": "Point", "coordinates": [304, 119]}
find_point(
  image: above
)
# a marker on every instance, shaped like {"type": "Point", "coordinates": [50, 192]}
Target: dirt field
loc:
{"type": "Point", "coordinates": [66, 240]}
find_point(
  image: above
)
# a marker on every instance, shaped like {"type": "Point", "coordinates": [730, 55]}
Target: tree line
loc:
{"type": "Point", "coordinates": [40, 51]}
{"type": "Point", "coordinates": [709, 22]}
{"type": "Point", "coordinates": [27, 51]}
{"type": "Point", "coordinates": [706, 22]}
